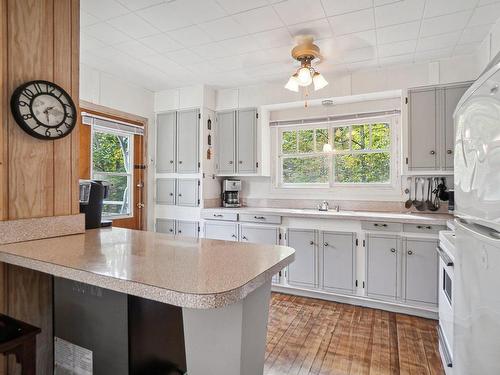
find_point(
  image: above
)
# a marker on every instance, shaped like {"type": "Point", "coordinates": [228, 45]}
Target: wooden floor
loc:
{"type": "Point", "coordinates": [310, 336]}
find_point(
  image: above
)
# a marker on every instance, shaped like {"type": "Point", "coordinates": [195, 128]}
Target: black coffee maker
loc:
{"type": "Point", "coordinates": [92, 195]}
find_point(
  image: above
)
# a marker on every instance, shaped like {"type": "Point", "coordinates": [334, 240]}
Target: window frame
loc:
{"type": "Point", "coordinates": [130, 175]}
{"type": "Point", "coordinates": [391, 120]}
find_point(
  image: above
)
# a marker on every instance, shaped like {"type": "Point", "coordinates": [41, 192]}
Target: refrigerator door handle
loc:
{"type": "Point", "coordinates": [487, 233]}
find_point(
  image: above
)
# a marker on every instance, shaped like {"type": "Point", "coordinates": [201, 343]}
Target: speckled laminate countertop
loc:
{"type": "Point", "coordinates": [192, 273]}
{"type": "Point", "coordinates": [393, 217]}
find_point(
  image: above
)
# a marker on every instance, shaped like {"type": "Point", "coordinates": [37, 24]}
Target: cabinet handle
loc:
{"type": "Point", "coordinates": [393, 250]}
{"type": "Point", "coordinates": [230, 162]}
{"type": "Point", "coordinates": [180, 161]}
{"type": "Point", "coordinates": [233, 235]}
{"type": "Point", "coordinates": [259, 217]}
{"type": "Point", "coordinates": [410, 252]}
{"type": "Point", "coordinates": [244, 238]}
{"type": "Point", "coordinates": [326, 244]}
{"type": "Point", "coordinates": [179, 231]}
{"type": "Point", "coordinates": [424, 227]}
{"type": "Point", "coordinates": [170, 230]}
{"type": "Point", "coordinates": [380, 225]}
{"type": "Point", "coordinates": [171, 162]}
{"type": "Point", "coordinates": [180, 195]}
{"type": "Point", "coordinates": [311, 242]}
{"type": "Point", "coordinates": [171, 194]}
{"type": "Point", "coordinates": [218, 215]}
{"type": "Point", "coordinates": [241, 162]}
{"type": "Point", "coordinates": [449, 152]}
{"type": "Point", "coordinates": [433, 152]}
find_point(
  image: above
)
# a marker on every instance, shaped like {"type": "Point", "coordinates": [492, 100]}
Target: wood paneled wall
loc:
{"type": "Point", "coordinates": [39, 39]}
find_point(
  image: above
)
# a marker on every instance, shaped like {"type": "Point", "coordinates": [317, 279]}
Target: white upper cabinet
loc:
{"type": "Point", "coordinates": [431, 127]}
{"type": "Point", "coordinates": [188, 124]}
{"type": "Point", "coordinates": [246, 141]}
{"type": "Point", "coordinates": [165, 142]}
{"type": "Point", "coordinates": [225, 146]}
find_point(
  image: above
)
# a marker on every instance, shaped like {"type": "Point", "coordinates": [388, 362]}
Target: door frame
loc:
{"type": "Point", "coordinates": [85, 154]}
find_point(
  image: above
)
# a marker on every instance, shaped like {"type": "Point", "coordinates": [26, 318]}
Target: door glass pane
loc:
{"type": "Point", "coordinates": [306, 140]}
{"type": "Point", "coordinates": [362, 168]}
{"type": "Point", "coordinates": [341, 138]}
{"type": "Point", "coordinates": [117, 202]}
{"type": "Point", "coordinates": [289, 142]}
{"type": "Point", "coordinates": [110, 152]}
{"type": "Point", "coordinates": [305, 170]}
{"type": "Point", "coordinates": [360, 137]}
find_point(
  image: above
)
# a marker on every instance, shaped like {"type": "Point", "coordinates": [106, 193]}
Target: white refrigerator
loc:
{"type": "Point", "coordinates": [476, 342]}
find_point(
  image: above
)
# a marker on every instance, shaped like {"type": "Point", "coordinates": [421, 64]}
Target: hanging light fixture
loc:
{"type": "Point", "coordinates": [306, 75]}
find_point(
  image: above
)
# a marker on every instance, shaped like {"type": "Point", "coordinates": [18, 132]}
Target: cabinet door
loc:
{"type": "Point", "coordinates": [165, 191]}
{"type": "Point", "coordinates": [338, 261]}
{"type": "Point", "coordinates": [187, 228]}
{"type": "Point", "coordinates": [452, 96]}
{"type": "Point", "coordinates": [165, 142]}
{"type": "Point", "coordinates": [422, 129]}
{"type": "Point", "coordinates": [262, 235]}
{"type": "Point", "coordinates": [302, 271]}
{"type": "Point", "coordinates": [382, 265]}
{"type": "Point", "coordinates": [225, 147]}
{"type": "Point", "coordinates": [421, 281]}
{"type": "Point", "coordinates": [188, 125]}
{"type": "Point", "coordinates": [187, 192]}
{"type": "Point", "coordinates": [165, 226]}
{"type": "Point", "coordinates": [246, 141]}
{"type": "Point", "coordinates": [217, 230]}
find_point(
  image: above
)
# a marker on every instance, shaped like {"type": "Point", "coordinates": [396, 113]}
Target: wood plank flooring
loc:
{"type": "Point", "coordinates": [310, 336]}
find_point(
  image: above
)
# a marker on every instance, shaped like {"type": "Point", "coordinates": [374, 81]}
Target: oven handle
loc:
{"type": "Point", "coordinates": [442, 254]}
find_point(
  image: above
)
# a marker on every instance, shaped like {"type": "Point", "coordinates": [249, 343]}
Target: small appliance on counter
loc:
{"type": "Point", "coordinates": [92, 195]}
{"type": "Point", "coordinates": [231, 193]}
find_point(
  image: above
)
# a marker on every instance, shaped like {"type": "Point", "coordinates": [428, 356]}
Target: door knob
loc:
{"type": "Point", "coordinates": [140, 205]}
{"type": "Point", "coordinates": [410, 252]}
{"type": "Point", "coordinates": [393, 250]}
{"type": "Point", "coordinates": [140, 185]}
{"type": "Point", "coordinates": [433, 152]}
{"type": "Point", "coordinates": [325, 244]}
{"type": "Point", "coordinates": [311, 242]}
{"type": "Point", "coordinates": [449, 152]}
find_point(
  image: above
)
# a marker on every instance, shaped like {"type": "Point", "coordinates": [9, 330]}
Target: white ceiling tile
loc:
{"type": "Point", "coordinates": [184, 56]}
{"type": "Point", "coordinates": [485, 15]}
{"type": "Point", "coordinates": [319, 29]}
{"type": "Point", "coordinates": [396, 60]}
{"type": "Point", "coordinates": [223, 28]}
{"type": "Point", "coordinates": [399, 12]}
{"type": "Point", "coordinates": [434, 54]}
{"type": "Point", "coordinates": [133, 26]}
{"type": "Point", "coordinates": [87, 19]}
{"type": "Point", "coordinates": [88, 43]}
{"type": "Point", "coordinates": [165, 17]}
{"type": "Point", "coordinates": [398, 33]}
{"type": "Point", "coordinates": [444, 24]}
{"type": "Point", "coordinates": [330, 50]}
{"type": "Point", "coordinates": [135, 48]}
{"type": "Point", "coordinates": [274, 38]}
{"type": "Point", "coordinates": [438, 42]}
{"type": "Point", "coordinates": [378, 3]}
{"type": "Point", "coordinates": [190, 36]}
{"type": "Point", "coordinates": [199, 10]}
{"type": "Point", "coordinates": [484, 2]}
{"type": "Point", "coordinates": [161, 43]}
{"type": "Point", "coordinates": [352, 22]}
{"type": "Point", "coordinates": [238, 46]}
{"type": "Point", "coordinates": [357, 40]}
{"type": "Point", "coordinates": [236, 6]}
{"type": "Point", "coordinates": [435, 8]}
{"type": "Point", "coordinates": [106, 33]}
{"type": "Point", "coordinates": [260, 19]}
{"type": "Point", "coordinates": [397, 48]}
{"type": "Point", "coordinates": [162, 63]}
{"type": "Point", "coordinates": [475, 34]}
{"type": "Point", "coordinates": [212, 50]}
{"type": "Point", "coordinates": [360, 54]}
{"type": "Point", "coordinates": [336, 7]}
{"type": "Point", "coordinates": [139, 4]}
{"type": "Point", "coordinates": [360, 65]}
{"type": "Point", "coordinates": [103, 9]}
{"type": "Point", "coordinates": [297, 11]}
{"type": "Point", "coordinates": [466, 49]}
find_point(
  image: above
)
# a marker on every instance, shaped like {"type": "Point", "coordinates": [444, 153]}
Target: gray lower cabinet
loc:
{"type": "Point", "coordinates": [226, 148]}
{"type": "Point", "coordinates": [165, 142]}
{"type": "Point", "coordinates": [165, 226]}
{"type": "Point", "coordinates": [220, 230]}
{"type": "Point", "coordinates": [187, 192]}
{"type": "Point", "coordinates": [188, 124]}
{"type": "Point", "coordinates": [421, 271]}
{"type": "Point", "coordinates": [338, 265]}
{"type": "Point", "coordinates": [382, 266]}
{"type": "Point", "coordinates": [303, 271]}
{"type": "Point", "coordinates": [187, 228]}
{"type": "Point", "coordinates": [165, 191]}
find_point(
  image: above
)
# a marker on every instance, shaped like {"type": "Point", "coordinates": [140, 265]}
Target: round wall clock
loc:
{"type": "Point", "coordinates": [43, 110]}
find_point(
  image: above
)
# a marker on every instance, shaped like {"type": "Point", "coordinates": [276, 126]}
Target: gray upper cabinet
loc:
{"type": "Point", "coordinates": [165, 226]}
{"type": "Point", "coordinates": [303, 271]}
{"type": "Point", "coordinates": [431, 134]}
{"type": "Point", "coordinates": [246, 141]}
{"type": "Point", "coordinates": [338, 261]}
{"type": "Point", "coordinates": [220, 230]}
{"type": "Point", "coordinates": [165, 142]}
{"type": "Point", "coordinates": [421, 273]}
{"type": "Point", "coordinates": [261, 235]}
{"type": "Point", "coordinates": [382, 265]}
{"type": "Point", "coordinates": [187, 228]}
{"type": "Point", "coordinates": [187, 192]}
{"type": "Point", "coordinates": [422, 129]}
{"type": "Point", "coordinates": [226, 133]}
{"type": "Point", "coordinates": [452, 96]}
{"type": "Point", "coordinates": [165, 191]}
{"type": "Point", "coordinates": [187, 141]}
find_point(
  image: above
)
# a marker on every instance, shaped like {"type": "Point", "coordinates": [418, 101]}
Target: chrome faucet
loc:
{"type": "Point", "coordinates": [323, 206]}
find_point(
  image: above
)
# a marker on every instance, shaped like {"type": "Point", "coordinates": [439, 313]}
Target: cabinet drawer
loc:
{"type": "Point", "coordinates": [220, 216]}
{"type": "Point", "coordinates": [423, 228]}
{"type": "Point", "coordinates": [258, 218]}
{"type": "Point", "coordinates": [381, 226]}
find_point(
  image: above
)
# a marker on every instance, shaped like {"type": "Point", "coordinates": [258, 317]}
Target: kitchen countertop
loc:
{"type": "Point", "coordinates": [192, 273]}
{"type": "Point", "coordinates": [395, 217]}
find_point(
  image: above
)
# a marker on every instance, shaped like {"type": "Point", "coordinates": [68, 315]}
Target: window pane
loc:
{"type": "Point", "coordinates": [381, 136]}
{"type": "Point", "coordinates": [341, 138]}
{"type": "Point", "coordinates": [321, 139]}
{"type": "Point", "coordinates": [306, 140]}
{"type": "Point", "coordinates": [360, 137]}
{"type": "Point", "coordinates": [289, 142]}
{"type": "Point", "coordinates": [305, 170]}
{"type": "Point", "coordinates": [110, 152]}
{"type": "Point", "coordinates": [363, 168]}
{"type": "Point", "coordinates": [117, 202]}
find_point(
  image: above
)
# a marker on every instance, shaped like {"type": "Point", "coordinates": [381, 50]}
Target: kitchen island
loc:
{"type": "Point", "coordinates": [223, 288]}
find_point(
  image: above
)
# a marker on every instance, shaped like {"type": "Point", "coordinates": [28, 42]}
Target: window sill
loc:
{"type": "Point", "coordinates": [117, 217]}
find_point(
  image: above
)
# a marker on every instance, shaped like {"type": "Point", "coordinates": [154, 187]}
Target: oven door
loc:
{"type": "Point", "coordinates": [446, 306]}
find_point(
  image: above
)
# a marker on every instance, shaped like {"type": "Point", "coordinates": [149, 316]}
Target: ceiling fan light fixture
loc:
{"type": "Point", "coordinates": [319, 81]}
{"type": "Point", "coordinates": [304, 76]}
{"type": "Point", "coordinates": [293, 83]}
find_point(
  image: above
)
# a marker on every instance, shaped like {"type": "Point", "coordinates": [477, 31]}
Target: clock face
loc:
{"type": "Point", "coordinates": [43, 109]}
